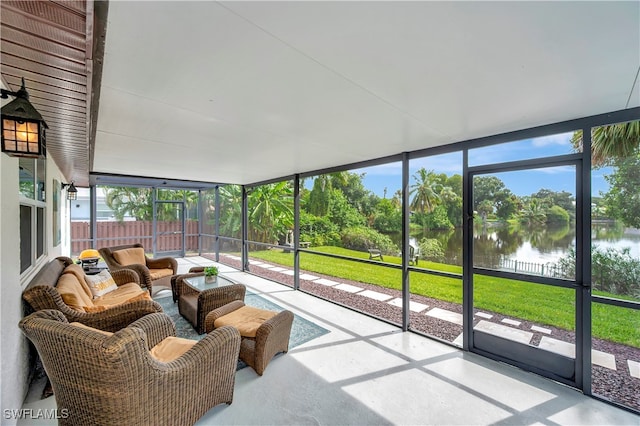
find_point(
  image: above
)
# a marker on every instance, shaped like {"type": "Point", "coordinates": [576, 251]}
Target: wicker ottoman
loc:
{"type": "Point", "coordinates": [264, 333]}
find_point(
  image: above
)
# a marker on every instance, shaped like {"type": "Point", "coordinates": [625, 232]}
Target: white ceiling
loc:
{"type": "Point", "coordinates": [248, 91]}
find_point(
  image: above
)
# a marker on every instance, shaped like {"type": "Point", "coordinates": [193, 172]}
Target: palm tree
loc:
{"type": "Point", "coordinates": [138, 202]}
{"type": "Point", "coordinates": [230, 210]}
{"type": "Point", "coordinates": [534, 212]}
{"type": "Point", "coordinates": [425, 192]}
{"type": "Point", "coordinates": [270, 211]}
{"type": "Point", "coordinates": [397, 199]}
{"type": "Point", "coordinates": [610, 142]}
{"type": "Point", "coordinates": [447, 194]}
{"type": "Point", "coordinates": [169, 211]}
{"type": "Point", "coordinates": [129, 201]}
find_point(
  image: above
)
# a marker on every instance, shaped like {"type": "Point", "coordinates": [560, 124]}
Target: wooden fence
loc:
{"type": "Point", "coordinates": [113, 233]}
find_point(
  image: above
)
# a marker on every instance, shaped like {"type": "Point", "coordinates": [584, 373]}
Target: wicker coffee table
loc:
{"type": "Point", "coordinates": [197, 297]}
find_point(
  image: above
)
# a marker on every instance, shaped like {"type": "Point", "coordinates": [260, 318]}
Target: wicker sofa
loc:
{"type": "Point", "coordinates": [111, 312]}
{"type": "Point", "coordinates": [140, 375]}
{"type": "Point", "coordinates": [154, 273]}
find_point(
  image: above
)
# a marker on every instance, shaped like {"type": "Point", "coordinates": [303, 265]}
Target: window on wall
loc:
{"type": "Point", "coordinates": [26, 232]}
{"type": "Point", "coordinates": [32, 178]}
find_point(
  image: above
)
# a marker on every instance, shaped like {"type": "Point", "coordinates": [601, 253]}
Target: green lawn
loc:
{"type": "Point", "coordinates": [545, 305]}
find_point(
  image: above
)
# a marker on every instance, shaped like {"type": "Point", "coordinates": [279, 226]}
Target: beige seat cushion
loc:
{"type": "Point", "coordinates": [247, 320]}
{"type": "Point", "coordinates": [130, 256]}
{"type": "Point", "coordinates": [171, 348]}
{"type": "Point", "coordinates": [73, 293]}
{"type": "Point", "coordinates": [120, 295]}
{"type": "Point", "coordinates": [160, 273]}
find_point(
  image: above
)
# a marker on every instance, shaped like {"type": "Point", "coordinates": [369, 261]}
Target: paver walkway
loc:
{"type": "Point", "coordinates": [506, 329]}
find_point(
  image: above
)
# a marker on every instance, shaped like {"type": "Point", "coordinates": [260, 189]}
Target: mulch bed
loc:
{"type": "Point", "coordinates": [615, 385]}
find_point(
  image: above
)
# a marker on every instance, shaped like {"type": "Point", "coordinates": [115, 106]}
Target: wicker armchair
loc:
{"type": "Point", "coordinates": [101, 379]}
{"type": "Point", "coordinates": [41, 293]}
{"type": "Point", "coordinates": [153, 273]}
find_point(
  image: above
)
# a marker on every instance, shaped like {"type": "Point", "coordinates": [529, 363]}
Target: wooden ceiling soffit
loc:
{"type": "Point", "coordinates": [58, 47]}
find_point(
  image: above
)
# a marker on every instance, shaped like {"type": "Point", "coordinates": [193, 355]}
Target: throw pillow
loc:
{"type": "Point", "coordinates": [130, 256]}
{"type": "Point", "coordinates": [77, 271]}
{"type": "Point", "coordinates": [73, 293]}
{"type": "Point", "coordinates": [101, 283]}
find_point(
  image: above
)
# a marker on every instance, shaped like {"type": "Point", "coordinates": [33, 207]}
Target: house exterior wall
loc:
{"type": "Point", "coordinates": [15, 368]}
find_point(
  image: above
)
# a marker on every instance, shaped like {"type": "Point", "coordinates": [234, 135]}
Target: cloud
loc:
{"type": "Point", "coordinates": [555, 170]}
{"type": "Point", "coordinates": [445, 163]}
{"type": "Point", "coordinates": [562, 139]}
{"type": "Point", "coordinates": [451, 163]}
{"type": "Point", "coordinates": [389, 169]}
{"type": "Point", "coordinates": [508, 151]}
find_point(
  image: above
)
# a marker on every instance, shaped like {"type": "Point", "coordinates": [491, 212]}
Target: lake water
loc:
{"type": "Point", "coordinates": [540, 245]}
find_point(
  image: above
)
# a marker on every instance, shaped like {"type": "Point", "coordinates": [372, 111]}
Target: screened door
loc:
{"type": "Point", "coordinates": [523, 288]}
{"type": "Point", "coordinates": [169, 228]}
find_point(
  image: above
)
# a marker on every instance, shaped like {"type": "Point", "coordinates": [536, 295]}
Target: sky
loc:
{"type": "Point", "coordinates": [521, 183]}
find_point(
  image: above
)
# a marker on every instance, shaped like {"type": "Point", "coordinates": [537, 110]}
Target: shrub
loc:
{"type": "Point", "coordinates": [613, 271]}
{"type": "Point", "coordinates": [387, 217]}
{"type": "Point", "coordinates": [316, 240]}
{"type": "Point", "coordinates": [343, 214]}
{"type": "Point", "coordinates": [438, 219]}
{"type": "Point", "coordinates": [431, 249]}
{"type": "Point", "coordinates": [556, 215]}
{"type": "Point", "coordinates": [616, 272]}
{"type": "Point", "coordinates": [319, 231]}
{"type": "Point", "coordinates": [362, 238]}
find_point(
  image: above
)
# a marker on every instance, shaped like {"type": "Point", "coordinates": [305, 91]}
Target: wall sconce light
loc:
{"type": "Point", "coordinates": [23, 128]}
{"type": "Point", "coordinates": [72, 192]}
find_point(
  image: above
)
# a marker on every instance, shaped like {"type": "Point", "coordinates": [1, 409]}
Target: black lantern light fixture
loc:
{"type": "Point", "coordinates": [72, 192]}
{"type": "Point", "coordinates": [23, 128]}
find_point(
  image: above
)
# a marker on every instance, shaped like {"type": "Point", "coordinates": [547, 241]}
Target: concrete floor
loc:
{"type": "Point", "coordinates": [368, 372]}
